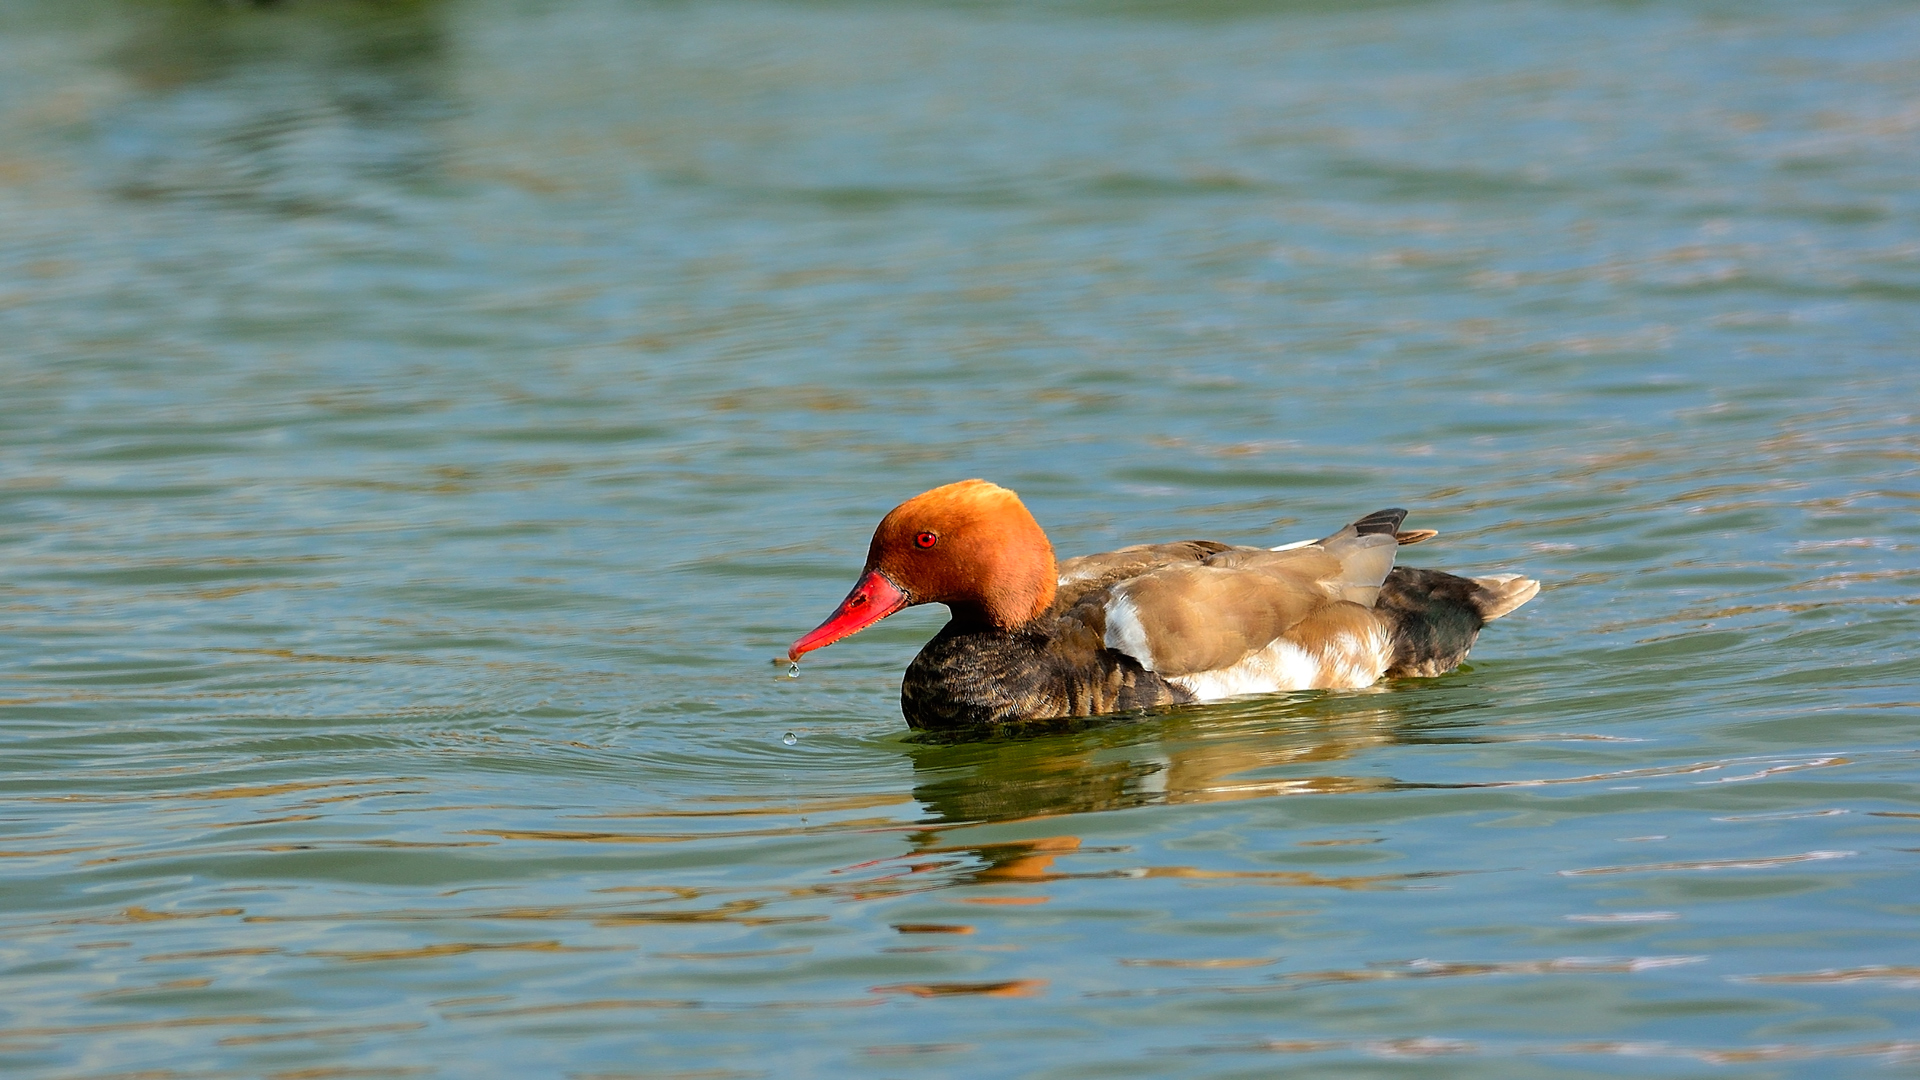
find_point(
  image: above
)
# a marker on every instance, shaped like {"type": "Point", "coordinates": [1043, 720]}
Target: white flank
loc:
{"type": "Point", "coordinates": [1351, 661]}
{"type": "Point", "coordinates": [1282, 665]}
{"type": "Point", "coordinates": [1345, 662]}
{"type": "Point", "coordinates": [1124, 631]}
{"type": "Point", "coordinates": [1295, 544]}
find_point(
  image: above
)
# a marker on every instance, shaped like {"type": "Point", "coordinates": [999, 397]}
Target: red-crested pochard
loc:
{"type": "Point", "coordinates": [1151, 624]}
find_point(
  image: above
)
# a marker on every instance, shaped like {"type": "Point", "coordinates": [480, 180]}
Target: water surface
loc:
{"type": "Point", "coordinates": [422, 423]}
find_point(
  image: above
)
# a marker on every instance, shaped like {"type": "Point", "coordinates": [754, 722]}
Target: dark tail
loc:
{"type": "Point", "coordinates": [1436, 616]}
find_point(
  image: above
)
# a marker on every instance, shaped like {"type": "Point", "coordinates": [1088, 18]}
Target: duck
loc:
{"type": "Point", "coordinates": [1150, 625]}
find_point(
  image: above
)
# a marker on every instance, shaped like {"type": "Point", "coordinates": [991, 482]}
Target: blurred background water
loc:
{"type": "Point", "coordinates": [421, 422]}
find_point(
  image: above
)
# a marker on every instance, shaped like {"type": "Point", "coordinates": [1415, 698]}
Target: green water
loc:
{"type": "Point", "coordinates": [421, 424]}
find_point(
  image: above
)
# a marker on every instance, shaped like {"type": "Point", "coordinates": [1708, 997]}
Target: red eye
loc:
{"type": "Point", "coordinates": [925, 540]}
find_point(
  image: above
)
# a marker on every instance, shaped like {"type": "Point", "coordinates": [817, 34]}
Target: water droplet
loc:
{"type": "Point", "coordinates": [793, 669]}
{"type": "Point", "coordinates": [789, 738]}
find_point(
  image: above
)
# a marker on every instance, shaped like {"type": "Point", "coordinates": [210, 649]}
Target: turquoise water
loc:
{"type": "Point", "coordinates": [421, 425]}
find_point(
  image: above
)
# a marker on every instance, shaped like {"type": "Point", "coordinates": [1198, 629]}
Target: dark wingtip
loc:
{"type": "Point", "coordinates": [1380, 521]}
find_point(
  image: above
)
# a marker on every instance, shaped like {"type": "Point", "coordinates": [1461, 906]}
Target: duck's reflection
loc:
{"type": "Point", "coordinates": [1314, 744]}
{"type": "Point", "coordinates": [1290, 746]}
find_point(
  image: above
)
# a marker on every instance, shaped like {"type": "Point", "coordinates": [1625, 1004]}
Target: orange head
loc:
{"type": "Point", "coordinates": [971, 546]}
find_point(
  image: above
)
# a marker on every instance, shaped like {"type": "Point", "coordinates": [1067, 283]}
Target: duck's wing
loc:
{"type": "Point", "coordinates": [1088, 574]}
{"type": "Point", "coordinates": [1379, 522]}
{"type": "Point", "coordinates": [1196, 618]}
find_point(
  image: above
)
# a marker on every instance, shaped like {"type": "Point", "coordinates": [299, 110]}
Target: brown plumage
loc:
{"type": "Point", "coordinates": [1152, 624]}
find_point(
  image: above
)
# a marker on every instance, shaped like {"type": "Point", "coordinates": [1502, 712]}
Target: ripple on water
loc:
{"type": "Point", "coordinates": [429, 422]}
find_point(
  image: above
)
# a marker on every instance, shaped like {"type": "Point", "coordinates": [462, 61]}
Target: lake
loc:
{"type": "Point", "coordinates": [423, 424]}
